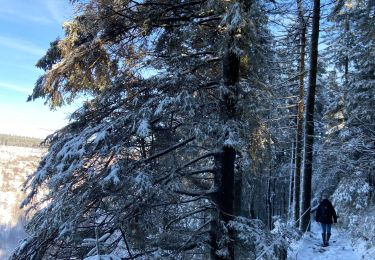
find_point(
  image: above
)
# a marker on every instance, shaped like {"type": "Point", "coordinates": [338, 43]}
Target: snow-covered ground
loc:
{"type": "Point", "coordinates": [12, 152]}
{"type": "Point", "coordinates": [15, 164]}
{"type": "Point", "coordinates": [341, 247]}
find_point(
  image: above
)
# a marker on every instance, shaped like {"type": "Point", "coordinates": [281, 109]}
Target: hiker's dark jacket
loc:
{"type": "Point", "coordinates": [325, 213]}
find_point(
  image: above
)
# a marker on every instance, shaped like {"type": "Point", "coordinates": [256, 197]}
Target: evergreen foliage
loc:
{"type": "Point", "coordinates": [188, 144]}
{"type": "Point", "coordinates": [347, 161]}
{"type": "Point", "coordinates": [150, 160]}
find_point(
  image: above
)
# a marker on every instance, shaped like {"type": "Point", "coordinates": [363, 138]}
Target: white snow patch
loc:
{"type": "Point", "coordinates": [143, 128]}
{"type": "Point", "coordinates": [103, 257]}
{"type": "Point", "coordinates": [113, 175]}
{"type": "Point", "coordinates": [12, 152]}
{"type": "Point", "coordinates": [309, 247]}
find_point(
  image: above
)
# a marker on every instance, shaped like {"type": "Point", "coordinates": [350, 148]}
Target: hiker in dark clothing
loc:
{"type": "Point", "coordinates": [326, 215]}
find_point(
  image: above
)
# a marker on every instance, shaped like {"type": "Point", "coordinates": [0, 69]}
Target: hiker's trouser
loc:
{"type": "Point", "coordinates": [326, 228]}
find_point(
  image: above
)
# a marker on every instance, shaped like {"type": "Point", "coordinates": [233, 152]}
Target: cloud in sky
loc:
{"type": "Point", "coordinates": [26, 29]}
{"type": "Point", "coordinates": [15, 87]}
{"type": "Point", "coordinates": [58, 10]}
{"type": "Point", "coordinates": [11, 14]}
{"type": "Point", "coordinates": [21, 45]}
{"type": "Point", "coordinates": [37, 11]}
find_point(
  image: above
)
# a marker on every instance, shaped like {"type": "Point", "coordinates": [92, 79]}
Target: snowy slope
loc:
{"type": "Point", "coordinates": [341, 247]}
{"type": "Point", "coordinates": [15, 164]}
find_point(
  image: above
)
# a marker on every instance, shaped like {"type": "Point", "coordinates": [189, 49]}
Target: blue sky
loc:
{"type": "Point", "coordinates": [26, 29]}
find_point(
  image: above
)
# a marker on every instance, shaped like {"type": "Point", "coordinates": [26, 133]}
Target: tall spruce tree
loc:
{"type": "Point", "coordinates": [301, 98]}
{"type": "Point", "coordinates": [146, 168]}
{"type": "Point", "coordinates": [309, 122]}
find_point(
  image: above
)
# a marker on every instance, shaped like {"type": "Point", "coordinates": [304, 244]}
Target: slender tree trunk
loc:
{"type": "Point", "coordinates": [269, 183]}
{"type": "Point", "coordinates": [291, 185]}
{"type": "Point", "coordinates": [346, 64]}
{"type": "Point", "coordinates": [285, 211]}
{"type": "Point", "coordinates": [299, 131]}
{"type": "Point", "coordinates": [346, 61]}
{"type": "Point", "coordinates": [268, 202]}
{"type": "Point", "coordinates": [273, 201]}
{"type": "Point", "coordinates": [309, 123]}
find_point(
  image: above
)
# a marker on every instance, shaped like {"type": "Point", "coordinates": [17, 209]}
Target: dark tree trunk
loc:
{"type": "Point", "coordinates": [225, 181]}
{"type": "Point", "coordinates": [286, 206]}
{"type": "Point", "coordinates": [273, 201]}
{"type": "Point", "coordinates": [309, 123]}
{"type": "Point", "coordinates": [346, 64]}
{"type": "Point", "coordinates": [225, 197]}
{"type": "Point", "coordinates": [269, 185]}
{"type": "Point", "coordinates": [268, 202]}
{"type": "Point", "coordinates": [299, 131]}
{"type": "Point", "coordinates": [238, 194]}
{"type": "Point", "coordinates": [346, 61]}
{"type": "Point", "coordinates": [226, 202]}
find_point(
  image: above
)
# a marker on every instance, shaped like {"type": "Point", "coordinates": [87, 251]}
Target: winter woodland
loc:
{"type": "Point", "coordinates": [210, 130]}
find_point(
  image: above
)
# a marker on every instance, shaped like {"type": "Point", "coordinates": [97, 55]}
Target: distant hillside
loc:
{"type": "Point", "coordinates": [21, 141]}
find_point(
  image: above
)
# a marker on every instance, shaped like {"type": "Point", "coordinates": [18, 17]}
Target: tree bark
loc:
{"type": "Point", "coordinates": [269, 186]}
{"type": "Point", "coordinates": [238, 194]}
{"type": "Point", "coordinates": [346, 61]}
{"type": "Point", "coordinates": [291, 185]}
{"type": "Point", "coordinates": [309, 123]}
{"type": "Point", "coordinates": [226, 202]}
{"type": "Point", "coordinates": [225, 197]}
{"type": "Point", "coordinates": [268, 202]}
{"type": "Point", "coordinates": [225, 181]}
{"type": "Point", "coordinates": [299, 131]}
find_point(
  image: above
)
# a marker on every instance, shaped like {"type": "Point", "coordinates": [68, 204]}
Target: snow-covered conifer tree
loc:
{"type": "Point", "coordinates": [146, 168]}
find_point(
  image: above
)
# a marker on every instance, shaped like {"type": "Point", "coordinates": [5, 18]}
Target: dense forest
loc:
{"type": "Point", "coordinates": [211, 131]}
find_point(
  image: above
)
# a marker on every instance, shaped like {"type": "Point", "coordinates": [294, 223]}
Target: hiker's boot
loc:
{"type": "Point", "coordinates": [328, 237]}
{"type": "Point", "coordinates": [324, 239]}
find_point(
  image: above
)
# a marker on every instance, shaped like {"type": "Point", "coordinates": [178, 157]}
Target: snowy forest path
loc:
{"type": "Point", "coordinates": [310, 246]}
